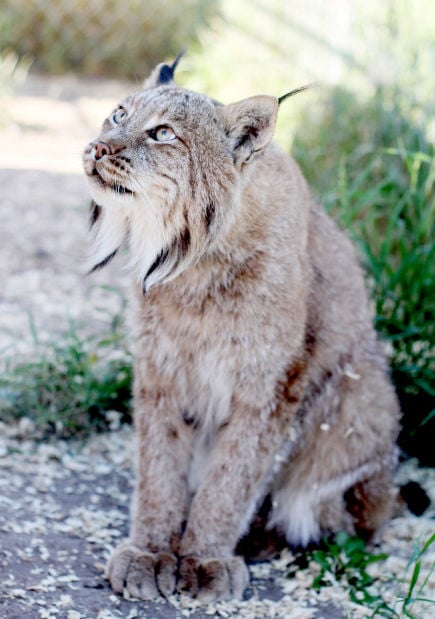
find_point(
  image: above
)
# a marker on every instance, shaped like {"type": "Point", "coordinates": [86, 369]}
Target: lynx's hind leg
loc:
{"type": "Point", "coordinates": [341, 477]}
{"type": "Point", "coordinates": [371, 502]}
{"type": "Point", "coordinates": [359, 501]}
{"type": "Point", "coordinates": [305, 512]}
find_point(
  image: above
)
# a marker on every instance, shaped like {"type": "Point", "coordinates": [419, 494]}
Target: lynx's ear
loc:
{"type": "Point", "coordinates": [250, 125]}
{"type": "Point", "coordinates": [163, 74]}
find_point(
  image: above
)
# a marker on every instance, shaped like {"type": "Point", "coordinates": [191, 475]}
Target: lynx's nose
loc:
{"type": "Point", "coordinates": [101, 149]}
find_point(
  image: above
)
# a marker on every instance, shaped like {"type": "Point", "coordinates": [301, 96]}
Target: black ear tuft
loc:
{"type": "Point", "coordinates": [166, 74]}
{"type": "Point", "coordinates": [293, 92]}
{"type": "Point", "coordinates": [178, 58]}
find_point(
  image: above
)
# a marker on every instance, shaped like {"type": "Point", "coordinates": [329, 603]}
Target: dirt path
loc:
{"type": "Point", "coordinates": [63, 506]}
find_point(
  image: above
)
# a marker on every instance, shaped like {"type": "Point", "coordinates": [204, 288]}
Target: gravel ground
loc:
{"type": "Point", "coordinates": [64, 505]}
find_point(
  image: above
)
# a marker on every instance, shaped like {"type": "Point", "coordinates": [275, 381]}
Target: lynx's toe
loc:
{"type": "Point", "coordinates": [211, 580]}
{"type": "Point", "coordinates": [145, 575]}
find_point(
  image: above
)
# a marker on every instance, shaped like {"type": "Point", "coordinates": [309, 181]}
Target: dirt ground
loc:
{"type": "Point", "coordinates": [63, 506]}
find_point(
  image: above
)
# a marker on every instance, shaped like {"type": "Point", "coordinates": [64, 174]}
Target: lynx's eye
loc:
{"type": "Point", "coordinates": [119, 116]}
{"type": "Point", "coordinates": [162, 134]}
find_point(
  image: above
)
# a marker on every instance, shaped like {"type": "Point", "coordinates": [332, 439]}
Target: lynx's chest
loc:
{"type": "Point", "coordinates": [191, 352]}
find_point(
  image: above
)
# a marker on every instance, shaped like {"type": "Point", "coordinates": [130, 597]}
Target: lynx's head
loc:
{"type": "Point", "coordinates": [167, 170]}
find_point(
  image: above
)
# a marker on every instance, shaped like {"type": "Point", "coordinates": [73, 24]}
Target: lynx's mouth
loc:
{"type": "Point", "coordinates": [116, 187]}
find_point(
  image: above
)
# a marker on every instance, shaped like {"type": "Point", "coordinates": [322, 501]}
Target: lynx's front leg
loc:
{"type": "Point", "coordinates": [145, 563]}
{"type": "Point", "coordinates": [242, 461]}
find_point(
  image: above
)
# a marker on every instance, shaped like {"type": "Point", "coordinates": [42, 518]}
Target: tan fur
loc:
{"type": "Point", "coordinates": [258, 373]}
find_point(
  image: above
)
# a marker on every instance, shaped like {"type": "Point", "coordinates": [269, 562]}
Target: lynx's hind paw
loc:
{"type": "Point", "coordinates": [145, 575]}
{"type": "Point", "coordinates": [210, 580]}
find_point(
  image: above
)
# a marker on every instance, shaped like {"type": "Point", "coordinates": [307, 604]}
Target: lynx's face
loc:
{"type": "Point", "coordinates": [165, 172]}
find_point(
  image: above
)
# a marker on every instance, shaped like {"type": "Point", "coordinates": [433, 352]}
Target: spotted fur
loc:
{"type": "Point", "coordinates": [259, 380]}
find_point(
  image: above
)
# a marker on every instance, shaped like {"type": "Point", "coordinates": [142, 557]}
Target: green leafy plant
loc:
{"type": "Point", "coordinates": [345, 559]}
{"type": "Point", "coordinates": [70, 387]}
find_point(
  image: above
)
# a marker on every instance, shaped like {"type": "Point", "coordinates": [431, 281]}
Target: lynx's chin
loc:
{"type": "Point", "coordinates": [114, 186]}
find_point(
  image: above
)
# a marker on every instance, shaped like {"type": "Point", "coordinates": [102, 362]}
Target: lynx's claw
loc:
{"type": "Point", "coordinates": [145, 575]}
{"type": "Point", "coordinates": [210, 580]}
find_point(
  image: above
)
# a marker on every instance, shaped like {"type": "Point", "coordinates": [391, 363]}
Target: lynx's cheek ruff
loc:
{"type": "Point", "coordinates": [262, 407]}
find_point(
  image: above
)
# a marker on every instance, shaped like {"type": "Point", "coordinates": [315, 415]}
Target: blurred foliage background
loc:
{"type": "Point", "coordinates": [100, 37]}
{"type": "Point", "coordinates": [364, 134]}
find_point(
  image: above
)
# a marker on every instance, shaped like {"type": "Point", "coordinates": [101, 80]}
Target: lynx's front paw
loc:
{"type": "Point", "coordinates": [210, 580]}
{"type": "Point", "coordinates": [145, 575]}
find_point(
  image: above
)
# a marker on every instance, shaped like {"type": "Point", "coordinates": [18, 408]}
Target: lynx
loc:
{"type": "Point", "coordinates": [263, 411]}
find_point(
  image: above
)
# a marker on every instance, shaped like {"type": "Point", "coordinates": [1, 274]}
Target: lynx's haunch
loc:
{"type": "Point", "coordinates": [262, 407]}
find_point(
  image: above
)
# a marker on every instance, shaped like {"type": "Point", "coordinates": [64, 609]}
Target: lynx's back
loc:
{"type": "Point", "coordinates": [259, 379]}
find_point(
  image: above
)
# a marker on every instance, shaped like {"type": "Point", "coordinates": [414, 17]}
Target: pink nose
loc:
{"type": "Point", "coordinates": [101, 149]}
